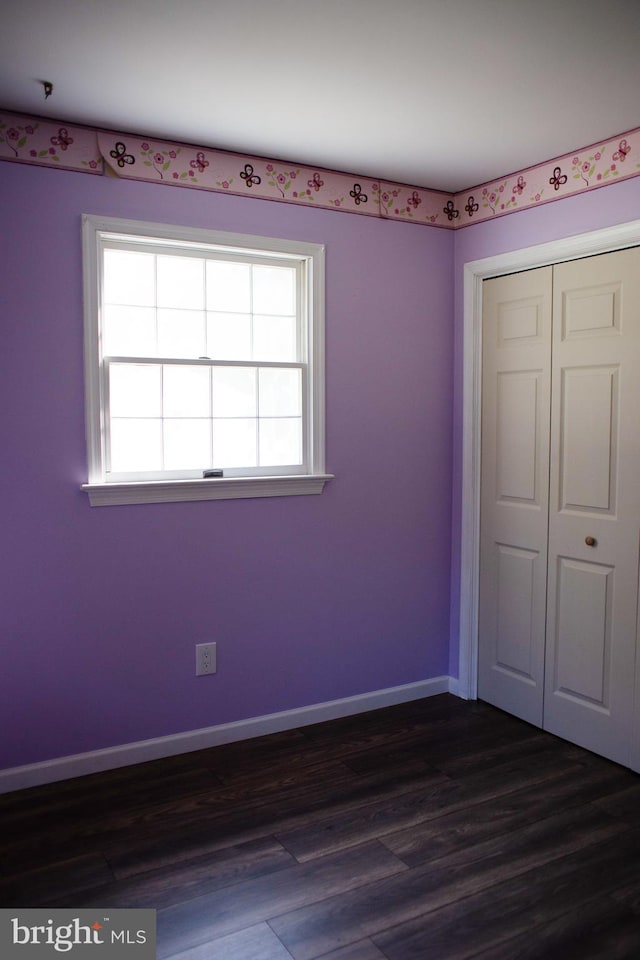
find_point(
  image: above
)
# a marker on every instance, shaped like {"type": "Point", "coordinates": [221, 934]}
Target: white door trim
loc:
{"type": "Point", "coordinates": [569, 248]}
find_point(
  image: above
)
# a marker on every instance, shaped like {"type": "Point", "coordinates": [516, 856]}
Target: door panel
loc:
{"type": "Point", "coordinates": [520, 319]}
{"type": "Point", "coordinates": [591, 311]}
{"type": "Point", "coordinates": [517, 442]}
{"type": "Point", "coordinates": [514, 494]}
{"type": "Point", "coordinates": [516, 579]}
{"type": "Point", "coordinates": [594, 499]}
{"type": "Point", "coordinates": [583, 629]}
{"type": "Point", "coordinates": [588, 438]}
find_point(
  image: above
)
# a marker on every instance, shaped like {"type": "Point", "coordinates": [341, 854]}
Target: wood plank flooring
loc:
{"type": "Point", "coordinates": [433, 830]}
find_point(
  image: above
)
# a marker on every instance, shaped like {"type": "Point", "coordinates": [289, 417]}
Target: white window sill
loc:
{"type": "Point", "coordinates": [229, 488]}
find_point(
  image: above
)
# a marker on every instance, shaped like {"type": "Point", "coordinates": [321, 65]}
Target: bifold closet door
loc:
{"type": "Point", "coordinates": [594, 504]}
{"type": "Point", "coordinates": [514, 491]}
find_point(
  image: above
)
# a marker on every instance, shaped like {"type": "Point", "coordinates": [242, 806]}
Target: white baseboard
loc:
{"type": "Point", "coordinates": [63, 768]}
{"type": "Point", "coordinates": [454, 687]}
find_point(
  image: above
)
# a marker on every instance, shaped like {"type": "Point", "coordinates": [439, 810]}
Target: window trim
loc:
{"type": "Point", "coordinates": [103, 492]}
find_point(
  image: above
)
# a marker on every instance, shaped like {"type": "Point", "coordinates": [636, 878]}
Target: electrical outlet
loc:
{"type": "Point", "coordinates": [205, 659]}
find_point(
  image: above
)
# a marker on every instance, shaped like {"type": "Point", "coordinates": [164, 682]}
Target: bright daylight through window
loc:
{"type": "Point", "coordinates": [204, 362]}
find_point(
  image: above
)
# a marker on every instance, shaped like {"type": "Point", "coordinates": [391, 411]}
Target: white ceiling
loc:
{"type": "Point", "coordinates": [437, 93]}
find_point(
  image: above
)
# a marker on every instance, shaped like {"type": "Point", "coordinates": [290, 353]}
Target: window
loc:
{"type": "Point", "coordinates": [204, 356]}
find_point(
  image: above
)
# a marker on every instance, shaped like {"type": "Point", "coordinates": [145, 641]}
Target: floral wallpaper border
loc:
{"type": "Point", "coordinates": [162, 161]}
{"type": "Point", "coordinates": [598, 165]}
{"type": "Point", "coordinates": [50, 143]}
{"type": "Point", "coordinates": [55, 143]}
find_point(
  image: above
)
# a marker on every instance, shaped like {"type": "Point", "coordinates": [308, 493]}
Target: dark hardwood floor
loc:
{"type": "Point", "coordinates": [432, 830]}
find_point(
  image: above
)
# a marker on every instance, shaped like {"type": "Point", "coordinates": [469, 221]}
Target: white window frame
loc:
{"type": "Point", "coordinates": [102, 491]}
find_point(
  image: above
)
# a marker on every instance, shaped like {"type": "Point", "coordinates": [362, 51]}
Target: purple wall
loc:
{"type": "Point", "coordinates": [309, 598]}
{"type": "Point", "coordinates": [614, 204]}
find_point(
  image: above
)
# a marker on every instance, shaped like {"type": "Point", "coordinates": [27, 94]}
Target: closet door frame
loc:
{"type": "Point", "coordinates": [571, 248]}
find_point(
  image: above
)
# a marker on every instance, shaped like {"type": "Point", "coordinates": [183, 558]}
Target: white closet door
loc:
{"type": "Point", "coordinates": [594, 508]}
{"type": "Point", "coordinates": [514, 491]}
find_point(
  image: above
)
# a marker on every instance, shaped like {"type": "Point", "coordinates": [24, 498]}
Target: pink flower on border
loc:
{"type": "Point", "coordinates": [12, 133]}
{"type": "Point", "coordinates": [225, 184]}
{"type": "Point", "coordinates": [52, 151]}
{"type": "Point", "coordinates": [145, 146]}
{"type": "Point", "coordinates": [28, 129]}
{"type": "Point", "coordinates": [175, 175]}
{"type": "Point", "coordinates": [33, 153]}
{"type": "Point", "coordinates": [599, 177]}
{"type": "Point", "coordinates": [93, 164]}
{"type": "Point", "coordinates": [269, 168]}
{"type": "Point", "coordinates": [585, 166]}
{"type": "Point", "coordinates": [613, 166]}
{"type": "Point", "coordinates": [173, 154]}
{"type": "Point", "coordinates": [281, 178]}
{"type": "Point", "coordinates": [537, 196]}
{"type": "Point", "coordinates": [292, 175]}
{"type": "Point", "coordinates": [598, 155]}
{"type": "Point", "coordinates": [576, 160]}
{"type": "Point", "coordinates": [158, 158]}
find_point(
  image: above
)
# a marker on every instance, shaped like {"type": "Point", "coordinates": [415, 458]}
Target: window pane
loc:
{"type": "Point", "coordinates": [136, 445]}
{"type": "Point", "coordinates": [228, 286]}
{"type": "Point", "coordinates": [274, 290]}
{"type": "Point", "coordinates": [280, 442]}
{"type": "Point", "coordinates": [274, 338]}
{"type": "Point", "coordinates": [134, 390]}
{"type": "Point", "coordinates": [181, 333]}
{"type": "Point", "coordinates": [187, 444]}
{"type": "Point", "coordinates": [129, 331]}
{"type": "Point", "coordinates": [197, 335]}
{"type": "Point", "coordinates": [234, 443]}
{"type": "Point", "coordinates": [229, 336]}
{"type": "Point", "coordinates": [181, 282]}
{"type": "Point", "coordinates": [185, 391]}
{"type": "Point", "coordinates": [280, 392]}
{"type": "Point", "coordinates": [234, 391]}
{"type": "Point", "coordinates": [129, 277]}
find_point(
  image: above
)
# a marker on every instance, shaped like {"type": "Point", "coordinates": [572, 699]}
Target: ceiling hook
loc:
{"type": "Point", "coordinates": [48, 88]}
